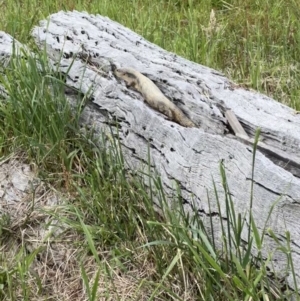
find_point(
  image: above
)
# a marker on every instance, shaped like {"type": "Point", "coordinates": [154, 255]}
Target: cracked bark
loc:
{"type": "Point", "coordinates": [189, 156]}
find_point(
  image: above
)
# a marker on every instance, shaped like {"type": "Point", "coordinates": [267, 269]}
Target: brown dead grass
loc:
{"type": "Point", "coordinates": [55, 271]}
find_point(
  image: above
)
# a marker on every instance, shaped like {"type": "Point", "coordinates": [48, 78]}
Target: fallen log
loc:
{"type": "Point", "coordinates": [188, 156]}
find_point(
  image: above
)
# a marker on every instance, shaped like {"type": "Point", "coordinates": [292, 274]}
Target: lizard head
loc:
{"type": "Point", "coordinates": [127, 75]}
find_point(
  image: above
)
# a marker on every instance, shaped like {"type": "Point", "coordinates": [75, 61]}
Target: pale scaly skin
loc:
{"type": "Point", "coordinates": [152, 95]}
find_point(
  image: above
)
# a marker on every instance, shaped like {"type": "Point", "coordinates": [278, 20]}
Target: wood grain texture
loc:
{"type": "Point", "coordinates": [188, 156]}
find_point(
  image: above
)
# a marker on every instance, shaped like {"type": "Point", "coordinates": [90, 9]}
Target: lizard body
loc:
{"type": "Point", "coordinates": [152, 95]}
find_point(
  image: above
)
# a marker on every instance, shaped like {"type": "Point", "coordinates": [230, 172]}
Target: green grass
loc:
{"type": "Point", "coordinates": [256, 43]}
{"type": "Point", "coordinates": [111, 240]}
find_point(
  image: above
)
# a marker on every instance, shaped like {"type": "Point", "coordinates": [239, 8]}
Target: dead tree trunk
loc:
{"type": "Point", "coordinates": [188, 156]}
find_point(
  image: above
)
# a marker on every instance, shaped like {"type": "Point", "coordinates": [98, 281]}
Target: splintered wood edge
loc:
{"type": "Point", "coordinates": [235, 125]}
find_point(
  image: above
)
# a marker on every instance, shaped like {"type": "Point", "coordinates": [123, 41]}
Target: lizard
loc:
{"type": "Point", "coordinates": [152, 95]}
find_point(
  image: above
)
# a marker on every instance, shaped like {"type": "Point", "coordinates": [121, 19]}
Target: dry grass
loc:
{"type": "Point", "coordinates": [61, 230]}
{"type": "Point", "coordinates": [51, 255]}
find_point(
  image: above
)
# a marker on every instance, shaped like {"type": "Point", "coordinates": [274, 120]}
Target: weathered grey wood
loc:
{"type": "Point", "coordinates": [235, 125]}
{"type": "Point", "coordinates": [188, 156]}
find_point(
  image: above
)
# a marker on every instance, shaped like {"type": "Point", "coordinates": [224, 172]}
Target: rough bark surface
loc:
{"type": "Point", "coordinates": [188, 156]}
